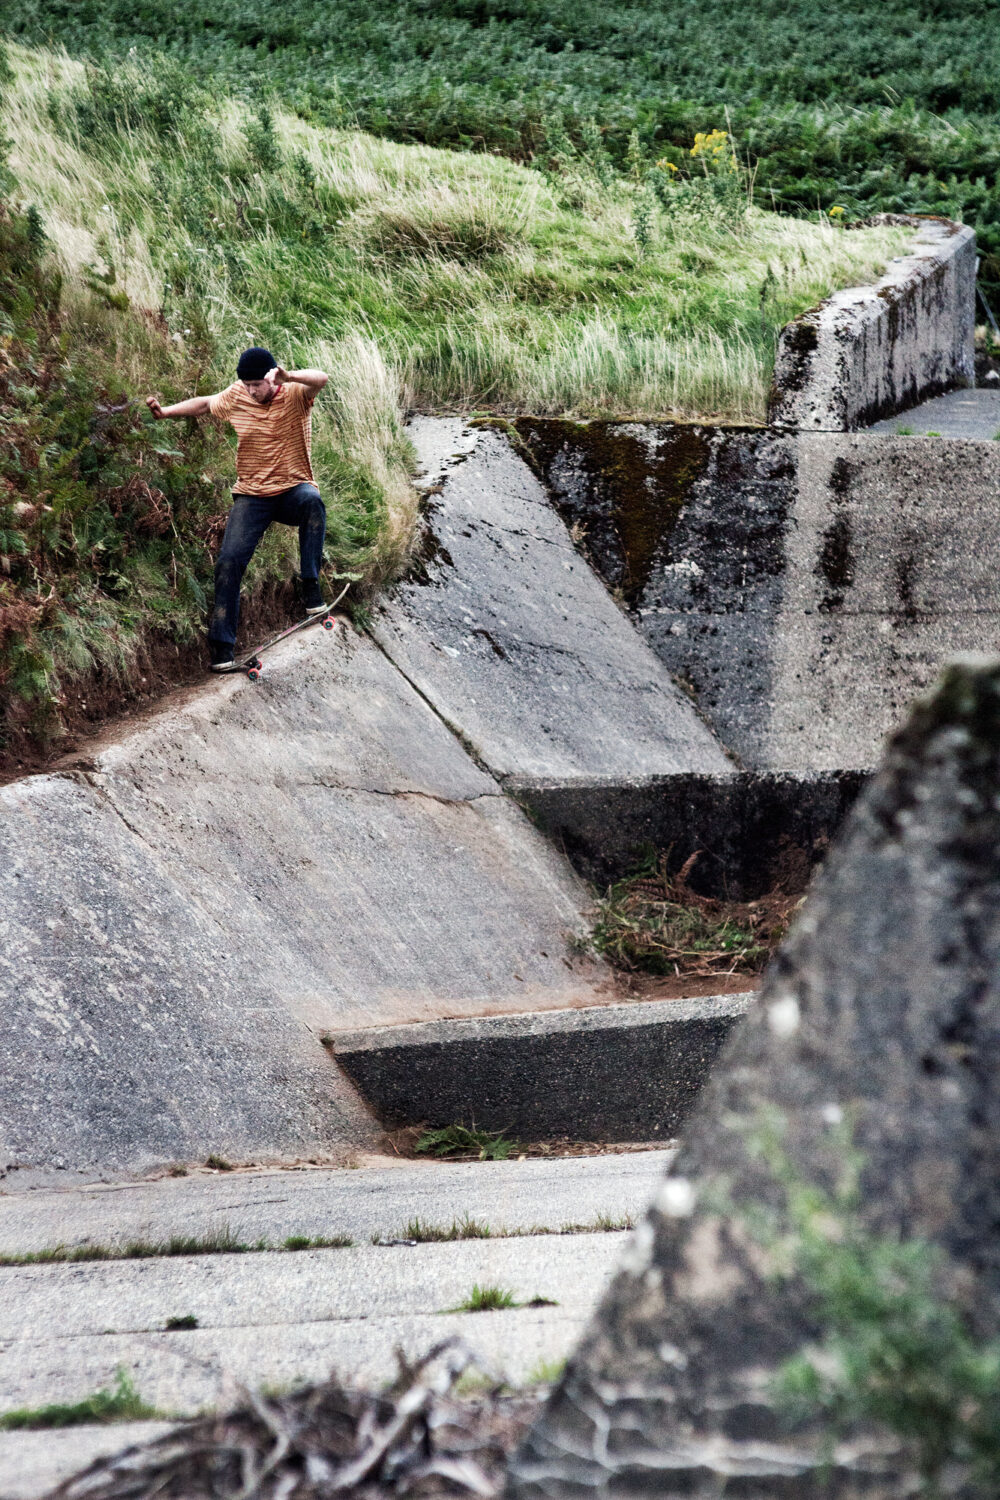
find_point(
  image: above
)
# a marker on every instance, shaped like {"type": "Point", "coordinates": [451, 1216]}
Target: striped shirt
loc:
{"type": "Point", "coordinates": [272, 441]}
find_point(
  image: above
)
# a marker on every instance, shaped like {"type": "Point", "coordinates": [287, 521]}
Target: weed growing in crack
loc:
{"type": "Point", "coordinates": [122, 1404]}
{"type": "Point", "coordinates": [217, 1242]}
{"type": "Point", "coordinates": [459, 1229]}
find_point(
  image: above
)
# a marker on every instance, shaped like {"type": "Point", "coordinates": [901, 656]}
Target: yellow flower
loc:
{"type": "Point", "coordinates": [668, 164]}
{"type": "Point", "coordinates": [836, 211]}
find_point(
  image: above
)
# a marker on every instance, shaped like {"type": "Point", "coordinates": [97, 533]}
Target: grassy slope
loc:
{"type": "Point", "coordinates": [185, 229]}
{"type": "Point", "coordinates": [874, 106]}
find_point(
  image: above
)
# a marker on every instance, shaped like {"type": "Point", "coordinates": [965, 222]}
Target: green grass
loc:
{"type": "Point", "coordinates": [870, 107]}
{"type": "Point", "coordinates": [467, 1142]}
{"type": "Point", "coordinates": [459, 1229]}
{"type": "Point", "coordinates": [217, 1242]}
{"type": "Point", "coordinates": [163, 226]}
{"type": "Point", "coordinates": [486, 1299]}
{"type": "Point", "coordinates": [122, 1404]}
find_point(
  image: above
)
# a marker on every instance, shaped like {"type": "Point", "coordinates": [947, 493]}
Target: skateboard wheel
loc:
{"type": "Point", "coordinates": [329, 623]}
{"type": "Point", "coordinates": [253, 673]}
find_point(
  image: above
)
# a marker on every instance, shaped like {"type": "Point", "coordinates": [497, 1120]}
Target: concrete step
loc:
{"type": "Point", "coordinates": [370, 1201]}
{"type": "Point", "coordinates": [276, 1319]}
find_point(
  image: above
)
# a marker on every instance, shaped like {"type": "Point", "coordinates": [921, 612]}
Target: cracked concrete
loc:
{"type": "Point", "coordinates": [182, 917]}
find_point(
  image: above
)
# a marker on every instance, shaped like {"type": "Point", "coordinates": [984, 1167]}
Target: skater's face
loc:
{"type": "Point", "coordinates": [261, 391]}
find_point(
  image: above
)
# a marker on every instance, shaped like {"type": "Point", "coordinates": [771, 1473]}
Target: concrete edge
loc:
{"type": "Point", "coordinates": [610, 1073]}
{"type": "Point", "coordinates": [539, 1023]}
{"type": "Point", "coordinates": [868, 352]}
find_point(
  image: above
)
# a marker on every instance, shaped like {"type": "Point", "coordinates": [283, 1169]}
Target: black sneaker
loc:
{"type": "Point", "coordinates": [312, 596]}
{"type": "Point", "coordinates": [221, 656]}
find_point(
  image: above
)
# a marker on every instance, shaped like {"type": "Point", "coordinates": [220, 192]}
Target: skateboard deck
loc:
{"type": "Point", "coordinates": [251, 666]}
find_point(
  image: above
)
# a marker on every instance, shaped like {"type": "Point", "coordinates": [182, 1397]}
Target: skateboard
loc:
{"type": "Point", "coordinates": [251, 666]}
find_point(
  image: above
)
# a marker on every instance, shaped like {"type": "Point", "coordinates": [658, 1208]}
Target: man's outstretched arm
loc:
{"type": "Point", "coordinates": [315, 380]}
{"type": "Point", "coordinates": [194, 406]}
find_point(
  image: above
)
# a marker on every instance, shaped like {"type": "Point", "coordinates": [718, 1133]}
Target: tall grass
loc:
{"type": "Point", "coordinates": [180, 225]}
{"type": "Point", "coordinates": [442, 279]}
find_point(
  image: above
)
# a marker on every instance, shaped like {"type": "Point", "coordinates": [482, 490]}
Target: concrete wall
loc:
{"type": "Point", "coordinates": [868, 352]}
{"type": "Point", "coordinates": [803, 587]}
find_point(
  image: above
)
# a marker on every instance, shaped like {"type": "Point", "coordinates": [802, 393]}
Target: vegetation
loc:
{"type": "Point", "coordinates": [157, 226]}
{"type": "Point", "coordinates": [458, 1229]}
{"type": "Point", "coordinates": [216, 1242]}
{"type": "Point", "coordinates": [653, 923]}
{"type": "Point", "coordinates": [895, 1349]}
{"type": "Point", "coordinates": [843, 105]}
{"type": "Point", "coordinates": [122, 1404]}
{"type": "Point", "coordinates": [486, 1299]}
{"type": "Point", "coordinates": [468, 1142]}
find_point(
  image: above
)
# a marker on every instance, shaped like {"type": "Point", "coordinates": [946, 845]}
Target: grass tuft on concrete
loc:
{"type": "Point", "coordinates": [217, 1242]}
{"type": "Point", "coordinates": [121, 1404]}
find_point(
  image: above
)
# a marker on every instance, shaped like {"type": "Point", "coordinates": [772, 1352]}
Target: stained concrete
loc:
{"type": "Point", "coordinates": [506, 630]}
{"type": "Point", "coordinates": [750, 832]}
{"type": "Point", "coordinates": [804, 587]}
{"type": "Point", "coordinates": [183, 912]}
{"type": "Point", "coordinates": [875, 1051]}
{"type": "Point", "coordinates": [867, 352]}
{"type": "Point", "coordinates": [611, 1073]}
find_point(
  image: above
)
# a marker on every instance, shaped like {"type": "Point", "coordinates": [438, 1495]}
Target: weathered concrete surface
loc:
{"type": "Point", "coordinates": [508, 633]}
{"type": "Point", "coordinates": [883, 1010]}
{"type": "Point", "coordinates": [752, 831]}
{"type": "Point", "coordinates": [33, 1463]}
{"type": "Point", "coordinates": [959, 414]}
{"type": "Point", "coordinates": [182, 915]}
{"type": "Point", "coordinates": [361, 1203]}
{"type": "Point", "coordinates": [273, 1317]}
{"type": "Point", "coordinates": [870, 351]}
{"type": "Point", "coordinates": [805, 587]}
{"type": "Point", "coordinates": [609, 1073]}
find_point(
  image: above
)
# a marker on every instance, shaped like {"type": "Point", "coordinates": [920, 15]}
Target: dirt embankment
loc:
{"type": "Point", "coordinates": [102, 700]}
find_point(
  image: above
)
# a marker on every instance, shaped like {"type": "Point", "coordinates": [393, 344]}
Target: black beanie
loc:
{"type": "Point", "coordinates": [254, 363]}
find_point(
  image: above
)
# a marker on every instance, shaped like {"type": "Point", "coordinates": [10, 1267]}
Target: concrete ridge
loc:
{"type": "Point", "coordinates": [867, 352]}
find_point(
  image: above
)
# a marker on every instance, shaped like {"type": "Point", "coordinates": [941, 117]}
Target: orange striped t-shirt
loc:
{"type": "Point", "coordinates": [272, 441]}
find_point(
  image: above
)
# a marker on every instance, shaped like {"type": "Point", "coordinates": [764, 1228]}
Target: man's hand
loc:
{"type": "Point", "coordinates": [154, 406]}
{"type": "Point", "coordinates": [277, 376]}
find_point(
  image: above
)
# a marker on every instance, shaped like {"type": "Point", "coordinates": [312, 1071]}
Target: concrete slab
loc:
{"type": "Point", "coordinates": [971, 413]}
{"type": "Point", "coordinates": [508, 633]}
{"type": "Point", "coordinates": [183, 912]}
{"type": "Point", "coordinates": [370, 1201]}
{"type": "Point", "coordinates": [269, 1318]}
{"type": "Point", "coordinates": [32, 1463]}
{"type": "Point", "coordinates": [611, 1073]}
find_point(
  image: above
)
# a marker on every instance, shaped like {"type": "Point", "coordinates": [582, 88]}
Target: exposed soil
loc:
{"type": "Point", "coordinates": [101, 701]}
{"type": "Point", "coordinates": [680, 986]}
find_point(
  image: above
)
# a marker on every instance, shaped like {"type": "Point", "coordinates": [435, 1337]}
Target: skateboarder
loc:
{"type": "Point", "coordinates": [271, 410]}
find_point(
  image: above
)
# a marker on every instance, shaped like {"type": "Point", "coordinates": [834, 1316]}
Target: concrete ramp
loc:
{"type": "Point", "coordinates": [508, 632]}
{"type": "Point", "coordinates": [184, 915]}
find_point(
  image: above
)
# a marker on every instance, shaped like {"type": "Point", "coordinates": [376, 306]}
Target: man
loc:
{"type": "Point", "coordinates": [271, 410]}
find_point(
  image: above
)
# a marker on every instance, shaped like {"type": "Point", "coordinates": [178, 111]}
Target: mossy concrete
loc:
{"type": "Point", "coordinates": [868, 352]}
{"type": "Point", "coordinates": [803, 587]}
{"type": "Point", "coordinates": [877, 1031]}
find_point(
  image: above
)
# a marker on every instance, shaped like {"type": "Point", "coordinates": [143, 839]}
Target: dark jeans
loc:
{"type": "Point", "coordinates": [249, 518]}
